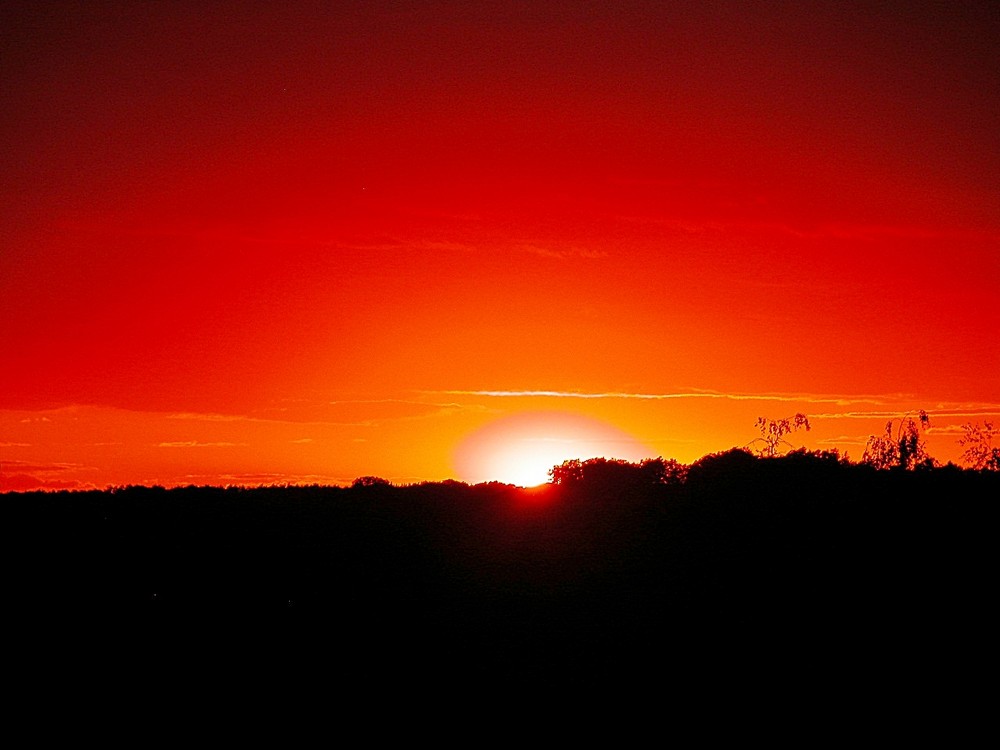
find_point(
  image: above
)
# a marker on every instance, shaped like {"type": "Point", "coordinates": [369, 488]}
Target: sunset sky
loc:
{"type": "Point", "coordinates": [248, 243]}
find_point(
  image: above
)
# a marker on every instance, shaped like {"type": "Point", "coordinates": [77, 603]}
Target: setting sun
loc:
{"type": "Point", "coordinates": [511, 348]}
{"type": "Point", "coordinates": [522, 448]}
{"type": "Point", "coordinates": [301, 244]}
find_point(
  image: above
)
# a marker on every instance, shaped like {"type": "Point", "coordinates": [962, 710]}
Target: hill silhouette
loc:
{"type": "Point", "coordinates": [616, 570]}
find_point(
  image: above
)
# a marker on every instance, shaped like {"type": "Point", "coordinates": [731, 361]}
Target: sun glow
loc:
{"type": "Point", "coordinates": [522, 448]}
{"type": "Point", "coordinates": [527, 461]}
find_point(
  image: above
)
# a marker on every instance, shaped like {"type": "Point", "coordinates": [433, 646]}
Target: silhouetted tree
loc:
{"type": "Point", "coordinates": [567, 472]}
{"type": "Point", "coordinates": [980, 453]}
{"type": "Point", "coordinates": [905, 450]}
{"type": "Point", "coordinates": [663, 471]}
{"type": "Point", "coordinates": [729, 466]}
{"type": "Point", "coordinates": [773, 431]}
{"type": "Point", "coordinates": [616, 470]}
{"type": "Point", "coordinates": [370, 481]}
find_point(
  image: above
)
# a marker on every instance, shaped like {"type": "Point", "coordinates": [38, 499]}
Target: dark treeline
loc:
{"type": "Point", "coordinates": [616, 564]}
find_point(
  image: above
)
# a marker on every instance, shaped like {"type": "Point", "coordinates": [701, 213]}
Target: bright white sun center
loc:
{"type": "Point", "coordinates": [521, 449]}
{"type": "Point", "coordinates": [527, 461]}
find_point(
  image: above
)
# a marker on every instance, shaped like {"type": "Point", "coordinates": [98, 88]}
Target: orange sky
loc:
{"type": "Point", "coordinates": [307, 244]}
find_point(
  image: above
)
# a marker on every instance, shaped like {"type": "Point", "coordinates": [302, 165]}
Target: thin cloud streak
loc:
{"type": "Point", "coordinates": [705, 394]}
{"type": "Point", "coordinates": [951, 429]}
{"type": "Point", "coordinates": [197, 444]}
{"type": "Point", "coordinates": [43, 467]}
{"type": "Point", "coordinates": [447, 405]}
{"type": "Point", "coordinates": [210, 417]}
{"type": "Point", "coordinates": [943, 410]}
{"type": "Point", "coordinates": [845, 440]}
{"type": "Point", "coordinates": [987, 410]}
{"type": "Point", "coordinates": [572, 440]}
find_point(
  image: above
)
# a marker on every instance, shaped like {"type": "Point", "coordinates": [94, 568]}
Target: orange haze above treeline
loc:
{"type": "Point", "coordinates": [312, 243]}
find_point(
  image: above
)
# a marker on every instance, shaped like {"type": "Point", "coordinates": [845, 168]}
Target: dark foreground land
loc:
{"type": "Point", "coordinates": [793, 563]}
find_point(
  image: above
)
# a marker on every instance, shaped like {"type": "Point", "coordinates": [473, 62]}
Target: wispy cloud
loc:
{"type": "Point", "coordinates": [886, 406]}
{"type": "Point", "coordinates": [394, 401]}
{"type": "Point", "coordinates": [942, 412]}
{"type": "Point", "coordinates": [951, 429]}
{"type": "Point", "coordinates": [197, 444]}
{"type": "Point", "coordinates": [527, 246]}
{"type": "Point", "coordinates": [42, 467]}
{"type": "Point", "coordinates": [208, 417]}
{"type": "Point", "coordinates": [692, 394]}
{"type": "Point", "coordinates": [574, 440]}
{"type": "Point", "coordinates": [23, 476]}
{"type": "Point", "coordinates": [254, 477]}
{"type": "Point", "coordinates": [391, 244]}
{"type": "Point", "coordinates": [845, 440]}
{"type": "Point", "coordinates": [561, 253]}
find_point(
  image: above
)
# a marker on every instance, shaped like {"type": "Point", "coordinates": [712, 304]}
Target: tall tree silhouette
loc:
{"type": "Point", "coordinates": [773, 431]}
{"type": "Point", "coordinates": [980, 453]}
{"type": "Point", "coordinates": [906, 449]}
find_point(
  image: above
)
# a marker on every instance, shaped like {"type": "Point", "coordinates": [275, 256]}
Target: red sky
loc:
{"type": "Point", "coordinates": [253, 244]}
